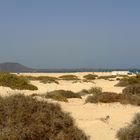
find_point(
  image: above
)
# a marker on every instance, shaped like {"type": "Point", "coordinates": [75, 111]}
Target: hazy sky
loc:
{"type": "Point", "coordinates": [70, 33]}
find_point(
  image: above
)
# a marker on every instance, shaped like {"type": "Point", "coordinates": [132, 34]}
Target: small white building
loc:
{"type": "Point", "coordinates": [120, 72]}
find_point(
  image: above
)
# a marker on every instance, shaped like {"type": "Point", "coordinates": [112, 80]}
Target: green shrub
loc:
{"type": "Point", "coordinates": [25, 118]}
{"type": "Point", "coordinates": [62, 95]}
{"type": "Point", "coordinates": [105, 97]}
{"type": "Point", "coordinates": [95, 90]}
{"type": "Point", "coordinates": [132, 131]}
{"type": "Point", "coordinates": [90, 76]}
{"type": "Point", "coordinates": [15, 82]}
{"type": "Point", "coordinates": [43, 79]}
{"type": "Point", "coordinates": [69, 77]}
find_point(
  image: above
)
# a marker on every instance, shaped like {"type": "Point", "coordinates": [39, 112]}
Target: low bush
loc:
{"type": "Point", "coordinates": [129, 81]}
{"type": "Point", "coordinates": [95, 90]}
{"type": "Point", "coordinates": [56, 96]}
{"type": "Point", "coordinates": [25, 118]}
{"type": "Point", "coordinates": [34, 94]}
{"type": "Point", "coordinates": [107, 77]}
{"type": "Point", "coordinates": [15, 82]}
{"type": "Point", "coordinates": [92, 90]}
{"type": "Point", "coordinates": [105, 97]}
{"type": "Point", "coordinates": [118, 79]}
{"type": "Point", "coordinates": [110, 97]}
{"type": "Point", "coordinates": [69, 77]}
{"type": "Point", "coordinates": [62, 95]}
{"type": "Point", "coordinates": [91, 99]}
{"type": "Point", "coordinates": [83, 92]}
{"type": "Point", "coordinates": [130, 99]}
{"type": "Point", "coordinates": [90, 76]}
{"type": "Point", "coordinates": [132, 89]}
{"type": "Point", "coordinates": [132, 131]}
{"type": "Point", "coordinates": [123, 76]}
{"type": "Point", "coordinates": [88, 81]}
{"type": "Point", "coordinates": [131, 95]}
{"type": "Point", "coordinates": [43, 79]}
{"type": "Point", "coordinates": [138, 76]}
{"type": "Point", "coordinates": [77, 81]}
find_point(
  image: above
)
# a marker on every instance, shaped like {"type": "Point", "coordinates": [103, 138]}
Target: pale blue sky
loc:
{"type": "Point", "coordinates": [70, 33]}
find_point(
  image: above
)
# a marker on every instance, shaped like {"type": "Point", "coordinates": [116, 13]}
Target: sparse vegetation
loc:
{"type": "Point", "coordinates": [83, 92]}
{"type": "Point", "coordinates": [56, 96]}
{"type": "Point", "coordinates": [129, 81]}
{"type": "Point", "coordinates": [25, 118]}
{"type": "Point", "coordinates": [62, 95]}
{"type": "Point", "coordinates": [15, 82]}
{"type": "Point", "coordinates": [130, 99]}
{"type": "Point", "coordinates": [43, 79]}
{"type": "Point", "coordinates": [132, 131]}
{"type": "Point", "coordinates": [88, 81]}
{"type": "Point", "coordinates": [69, 77]}
{"type": "Point", "coordinates": [95, 90]}
{"type": "Point", "coordinates": [118, 79]}
{"type": "Point", "coordinates": [132, 89]}
{"type": "Point", "coordinates": [90, 77]}
{"type": "Point", "coordinates": [110, 97]}
{"type": "Point", "coordinates": [77, 81]}
{"type": "Point", "coordinates": [130, 95]}
{"type": "Point", "coordinates": [123, 76]}
{"type": "Point", "coordinates": [107, 77]}
{"type": "Point", "coordinates": [104, 97]}
{"type": "Point", "coordinates": [92, 90]}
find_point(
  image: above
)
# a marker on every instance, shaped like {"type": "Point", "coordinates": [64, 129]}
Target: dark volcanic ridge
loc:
{"type": "Point", "coordinates": [16, 67]}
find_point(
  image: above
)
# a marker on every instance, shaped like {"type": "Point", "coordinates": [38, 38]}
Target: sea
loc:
{"type": "Point", "coordinates": [86, 70]}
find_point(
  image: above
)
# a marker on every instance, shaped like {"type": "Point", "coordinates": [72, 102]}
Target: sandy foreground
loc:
{"type": "Point", "coordinates": [87, 116]}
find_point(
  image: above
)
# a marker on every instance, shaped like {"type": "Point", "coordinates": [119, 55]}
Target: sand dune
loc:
{"type": "Point", "coordinates": [87, 116]}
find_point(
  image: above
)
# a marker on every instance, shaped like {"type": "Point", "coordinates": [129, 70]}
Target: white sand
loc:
{"type": "Point", "coordinates": [87, 115]}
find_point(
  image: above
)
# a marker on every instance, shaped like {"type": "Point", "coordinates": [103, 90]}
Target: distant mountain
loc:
{"type": "Point", "coordinates": [14, 67]}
